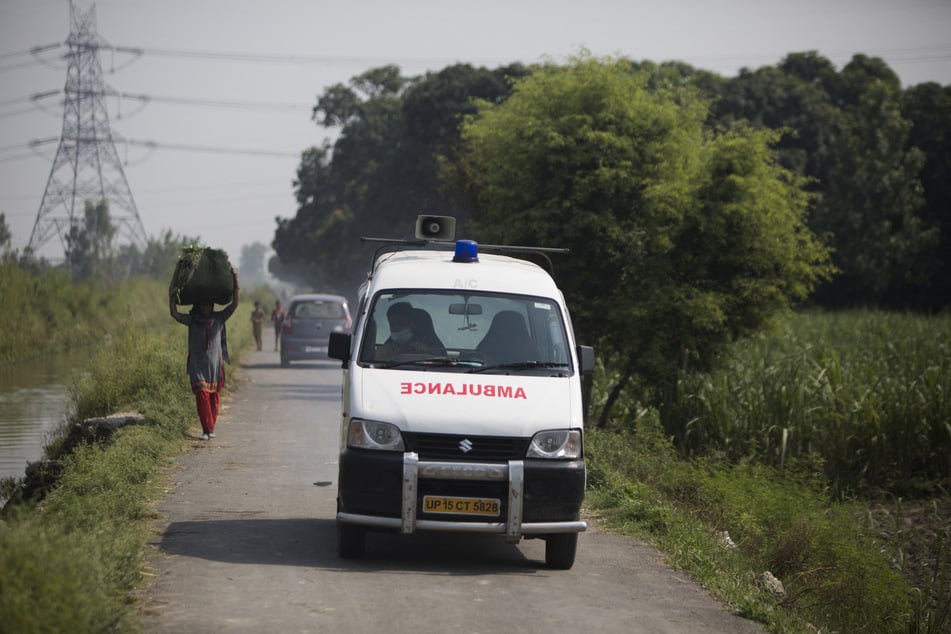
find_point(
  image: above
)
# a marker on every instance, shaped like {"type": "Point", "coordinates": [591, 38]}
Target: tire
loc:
{"type": "Point", "coordinates": [351, 540]}
{"type": "Point", "coordinates": [560, 550]}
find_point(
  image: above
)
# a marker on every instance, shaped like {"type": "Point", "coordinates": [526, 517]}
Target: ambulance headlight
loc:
{"type": "Point", "coordinates": [564, 444]}
{"type": "Point", "coordinates": [369, 434]}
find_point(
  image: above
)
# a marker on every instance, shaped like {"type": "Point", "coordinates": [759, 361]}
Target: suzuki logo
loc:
{"type": "Point", "coordinates": [465, 446]}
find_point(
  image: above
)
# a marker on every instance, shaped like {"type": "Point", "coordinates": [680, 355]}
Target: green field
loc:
{"type": "Point", "coordinates": [823, 449]}
{"type": "Point", "coordinates": [866, 393]}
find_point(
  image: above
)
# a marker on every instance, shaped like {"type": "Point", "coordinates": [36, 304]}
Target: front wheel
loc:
{"type": "Point", "coordinates": [560, 550]}
{"type": "Point", "coordinates": [351, 540]}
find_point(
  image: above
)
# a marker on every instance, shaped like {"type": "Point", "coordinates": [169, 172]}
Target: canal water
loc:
{"type": "Point", "coordinates": [33, 402]}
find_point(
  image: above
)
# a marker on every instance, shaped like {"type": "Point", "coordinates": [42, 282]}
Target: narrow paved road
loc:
{"type": "Point", "coordinates": [247, 544]}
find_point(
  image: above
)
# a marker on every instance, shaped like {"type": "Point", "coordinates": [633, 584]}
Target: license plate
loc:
{"type": "Point", "coordinates": [462, 506]}
{"type": "Point", "coordinates": [315, 349]}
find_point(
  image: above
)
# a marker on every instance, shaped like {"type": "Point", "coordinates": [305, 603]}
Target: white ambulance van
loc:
{"type": "Point", "coordinates": [462, 398]}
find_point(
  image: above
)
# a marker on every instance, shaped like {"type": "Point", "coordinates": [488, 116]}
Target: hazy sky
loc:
{"type": "Point", "coordinates": [253, 103]}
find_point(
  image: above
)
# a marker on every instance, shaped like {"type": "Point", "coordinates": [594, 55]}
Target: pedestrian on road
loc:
{"type": "Point", "coordinates": [257, 323]}
{"type": "Point", "coordinates": [207, 352]}
{"type": "Point", "coordinates": [277, 318]}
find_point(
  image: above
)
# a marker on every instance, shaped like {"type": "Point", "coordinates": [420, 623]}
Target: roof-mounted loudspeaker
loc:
{"type": "Point", "coordinates": [435, 228]}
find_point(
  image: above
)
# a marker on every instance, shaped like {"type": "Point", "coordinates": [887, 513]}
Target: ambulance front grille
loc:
{"type": "Point", "coordinates": [458, 447]}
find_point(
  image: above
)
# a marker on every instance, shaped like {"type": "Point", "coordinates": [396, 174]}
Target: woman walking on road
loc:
{"type": "Point", "coordinates": [207, 351]}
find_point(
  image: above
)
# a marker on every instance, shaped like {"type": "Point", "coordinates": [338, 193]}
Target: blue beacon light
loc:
{"type": "Point", "coordinates": [466, 251]}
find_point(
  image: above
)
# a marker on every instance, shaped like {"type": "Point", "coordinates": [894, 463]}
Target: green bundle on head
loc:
{"type": "Point", "coordinates": [202, 275]}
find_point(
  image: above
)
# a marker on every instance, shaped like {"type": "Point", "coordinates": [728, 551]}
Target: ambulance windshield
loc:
{"type": "Point", "coordinates": [465, 332]}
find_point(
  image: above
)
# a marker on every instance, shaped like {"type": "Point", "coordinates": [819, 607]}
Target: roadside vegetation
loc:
{"type": "Point", "coordinates": [46, 311]}
{"type": "Point", "coordinates": [818, 452]}
{"type": "Point", "coordinates": [72, 560]}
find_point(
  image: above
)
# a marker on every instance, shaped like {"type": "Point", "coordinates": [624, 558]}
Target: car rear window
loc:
{"type": "Point", "coordinates": [318, 310]}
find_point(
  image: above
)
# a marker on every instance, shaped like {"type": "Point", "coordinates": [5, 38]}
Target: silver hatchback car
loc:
{"type": "Point", "coordinates": [307, 326]}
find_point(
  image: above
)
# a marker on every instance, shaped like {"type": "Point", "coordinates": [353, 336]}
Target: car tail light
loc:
{"type": "Point", "coordinates": [287, 326]}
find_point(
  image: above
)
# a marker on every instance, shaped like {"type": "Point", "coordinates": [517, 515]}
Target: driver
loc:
{"type": "Point", "coordinates": [402, 338]}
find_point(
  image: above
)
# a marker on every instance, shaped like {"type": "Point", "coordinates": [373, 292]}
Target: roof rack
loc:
{"type": "Point", "coordinates": [439, 231]}
{"type": "Point", "coordinates": [396, 244]}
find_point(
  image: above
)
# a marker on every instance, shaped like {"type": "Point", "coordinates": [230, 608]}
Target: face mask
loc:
{"type": "Point", "coordinates": [401, 336]}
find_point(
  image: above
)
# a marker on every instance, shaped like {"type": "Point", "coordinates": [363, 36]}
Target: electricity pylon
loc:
{"type": "Point", "coordinates": [86, 166]}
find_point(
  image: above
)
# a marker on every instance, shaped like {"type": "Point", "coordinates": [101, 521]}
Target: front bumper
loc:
{"type": "Point", "coordinates": [385, 490]}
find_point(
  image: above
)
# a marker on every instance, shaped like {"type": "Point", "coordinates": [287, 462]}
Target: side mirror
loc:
{"type": "Point", "coordinates": [586, 359]}
{"type": "Point", "coordinates": [339, 346]}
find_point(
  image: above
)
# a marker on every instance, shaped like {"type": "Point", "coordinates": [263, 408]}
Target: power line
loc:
{"type": "Point", "coordinates": [272, 58]}
{"type": "Point", "coordinates": [226, 56]}
{"type": "Point", "coordinates": [917, 54]}
{"type": "Point", "coordinates": [187, 101]}
{"type": "Point", "coordinates": [152, 145]}
{"type": "Point", "coordinates": [219, 103]}
{"type": "Point", "coordinates": [210, 149]}
{"type": "Point", "coordinates": [20, 65]}
{"type": "Point", "coordinates": [16, 113]}
{"type": "Point", "coordinates": [923, 54]}
{"type": "Point", "coordinates": [214, 186]}
{"type": "Point", "coordinates": [12, 54]}
{"type": "Point", "coordinates": [17, 157]}
{"type": "Point", "coordinates": [45, 47]}
{"type": "Point", "coordinates": [286, 196]}
{"type": "Point", "coordinates": [15, 146]}
{"type": "Point", "coordinates": [282, 185]}
{"type": "Point", "coordinates": [144, 99]}
{"type": "Point", "coordinates": [34, 51]}
{"type": "Point", "coordinates": [15, 54]}
{"type": "Point", "coordinates": [8, 102]}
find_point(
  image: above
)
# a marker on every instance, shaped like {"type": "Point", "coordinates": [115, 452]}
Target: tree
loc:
{"type": "Point", "coordinates": [89, 249]}
{"type": "Point", "coordinates": [380, 173]}
{"type": "Point", "coordinates": [872, 195]}
{"type": "Point", "coordinates": [792, 98]}
{"type": "Point", "coordinates": [846, 133]}
{"type": "Point", "coordinates": [5, 234]}
{"type": "Point", "coordinates": [348, 190]}
{"type": "Point", "coordinates": [159, 257]}
{"type": "Point", "coordinates": [681, 239]}
{"type": "Point", "coordinates": [253, 257]}
{"type": "Point", "coordinates": [928, 108]}
{"type": "Point", "coordinates": [299, 242]}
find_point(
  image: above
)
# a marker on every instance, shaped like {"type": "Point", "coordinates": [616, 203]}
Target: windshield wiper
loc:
{"type": "Point", "coordinates": [521, 365]}
{"type": "Point", "coordinates": [434, 361]}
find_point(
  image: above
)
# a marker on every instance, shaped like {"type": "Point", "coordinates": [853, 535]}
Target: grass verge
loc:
{"type": "Point", "coordinates": [728, 524]}
{"type": "Point", "coordinates": [72, 562]}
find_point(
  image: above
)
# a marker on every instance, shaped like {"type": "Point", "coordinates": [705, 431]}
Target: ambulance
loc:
{"type": "Point", "coordinates": [462, 399]}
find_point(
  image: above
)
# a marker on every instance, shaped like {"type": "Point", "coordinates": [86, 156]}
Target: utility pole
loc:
{"type": "Point", "coordinates": [86, 166]}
